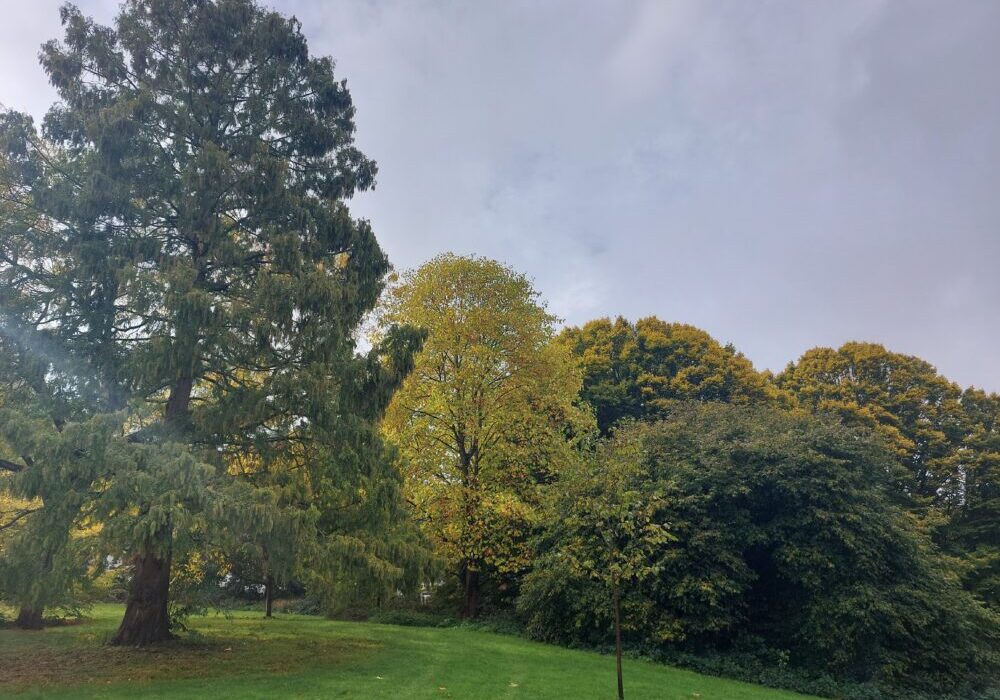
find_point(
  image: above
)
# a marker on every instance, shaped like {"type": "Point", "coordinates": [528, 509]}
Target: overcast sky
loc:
{"type": "Point", "coordinates": [781, 174]}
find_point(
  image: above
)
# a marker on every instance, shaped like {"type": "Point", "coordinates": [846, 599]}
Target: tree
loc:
{"type": "Point", "coordinates": [15, 516]}
{"type": "Point", "coordinates": [607, 525]}
{"type": "Point", "coordinates": [176, 241]}
{"type": "Point", "coordinates": [973, 530]}
{"type": "Point", "coordinates": [44, 561]}
{"type": "Point", "coordinates": [788, 542]}
{"type": "Point", "coordinates": [946, 440]}
{"type": "Point", "coordinates": [487, 415]}
{"type": "Point", "coordinates": [903, 398]}
{"type": "Point", "coordinates": [639, 370]}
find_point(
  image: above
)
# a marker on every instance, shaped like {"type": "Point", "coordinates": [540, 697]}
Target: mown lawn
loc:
{"type": "Point", "coordinates": [291, 656]}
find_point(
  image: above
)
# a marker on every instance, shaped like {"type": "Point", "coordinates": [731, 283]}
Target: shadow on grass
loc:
{"type": "Point", "coordinates": [32, 660]}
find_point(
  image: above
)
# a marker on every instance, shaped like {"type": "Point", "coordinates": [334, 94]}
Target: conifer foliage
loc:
{"type": "Point", "coordinates": [177, 252]}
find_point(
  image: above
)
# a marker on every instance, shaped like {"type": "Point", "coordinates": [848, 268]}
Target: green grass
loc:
{"type": "Point", "coordinates": [292, 656]}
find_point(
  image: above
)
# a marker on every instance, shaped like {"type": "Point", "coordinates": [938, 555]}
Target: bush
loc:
{"type": "Point", "coordinates": [788, 543]}
{"type": "Point", "coordinates": [410, 618]}
{"type": "Point", "coordinates": [307, 605]}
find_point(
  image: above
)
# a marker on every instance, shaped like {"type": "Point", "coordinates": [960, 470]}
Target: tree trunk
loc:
{"type": "Point", "coordinates": [618, 641]}
{"type": "Point", "coordinates": [268, 595]}
{"type": "Point", "coordinates": [30, 617]}
{"type": "Point", "coordinates": [147, 613]}
{"type": "Point", "coordinates": [471, 608]}
{"type": "Point", "coordinates": [147, 617]}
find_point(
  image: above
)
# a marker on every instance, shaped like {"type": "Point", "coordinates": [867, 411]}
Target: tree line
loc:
{"type": "Point", "coordinates": [839, 517]}
{"type": "Point", "coordinates": [184, 406]}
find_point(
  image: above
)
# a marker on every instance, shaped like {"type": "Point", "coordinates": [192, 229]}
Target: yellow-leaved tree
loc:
{"type": "Point", "coordinates": [488, 416]}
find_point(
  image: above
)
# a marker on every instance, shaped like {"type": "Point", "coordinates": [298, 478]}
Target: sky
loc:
{"type": "Point", "coordinates": [784, 175]}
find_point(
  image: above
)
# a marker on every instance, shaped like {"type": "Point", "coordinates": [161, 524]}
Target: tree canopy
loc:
{"type": "Point", "coordinates": [176, 251]}
{"type": "Point", "coordinates": [638, 370]}
{"type": "Point", "coordinates": [186, 406]}
{"type": "Point", "coordinates": [486, 416]}
{"type": "Point", "coordinates": [783, 535]}
{"type": "Point", "coordinates": [903, 398]}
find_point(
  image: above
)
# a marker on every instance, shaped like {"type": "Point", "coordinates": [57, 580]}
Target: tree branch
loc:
{"type": "Point", "coordinates": [9, 466]}
{"type": "Point", "coordinates": [24, 513]}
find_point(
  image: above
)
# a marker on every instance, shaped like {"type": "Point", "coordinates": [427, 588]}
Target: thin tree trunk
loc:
{"type": "Point", "coordinates": [471, 607]}
{"type": "Point", "coordinates": [268, 595]}
{"type": "Point", "coordinates": [30, 617]}
{"type": "Point", "coordinates": [618, 641]}
{"type": "Point", "coordinates": [147, 616]}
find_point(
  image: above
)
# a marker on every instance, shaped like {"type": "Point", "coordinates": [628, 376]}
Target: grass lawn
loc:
{"type": "Point", "coordinates": [294, 656]}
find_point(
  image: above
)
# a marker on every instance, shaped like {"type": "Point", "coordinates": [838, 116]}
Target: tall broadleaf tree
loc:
{"type": "Point", "coordinates": [917, 411]}
{"type": "Point", "coordinates": [192, 179]}
{"type": "Point", "coordinates": [487, 417]}
{"type": "Point", "coordinates": [973, 531]}
{"type": "Point", "coordinates": [639, 370]}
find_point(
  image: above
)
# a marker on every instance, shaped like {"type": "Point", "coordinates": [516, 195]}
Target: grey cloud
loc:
{"type": "Point", "coordinates": [782, 174]}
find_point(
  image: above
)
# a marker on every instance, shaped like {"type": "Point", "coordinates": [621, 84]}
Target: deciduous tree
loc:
{"type": "Point", "coordinates": [788, 542]}
{"type": "Point", "coordinates": [608, 525]}
{"type": "Point", "coordinates": [487, 415]}
{"type": "Point", "coordinates": [638, 370]}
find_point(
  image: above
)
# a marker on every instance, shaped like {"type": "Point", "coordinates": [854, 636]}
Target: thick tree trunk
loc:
{"type": "Point", "coordinates": [268, 595]}
{"type": "Point", "coordinates": [147, 617]}
{"type": "Point", "coordinates": [30, 617]}
{"type": "Point", "coordinates": [147, 611]}
{"type": "Point", "coordinates": [618, 641]}
{"type": "Point", "coordinates": [470, 609]}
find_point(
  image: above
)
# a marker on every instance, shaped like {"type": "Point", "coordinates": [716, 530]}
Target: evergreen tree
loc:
{"type": "Point", "coordinates": [178, 245]}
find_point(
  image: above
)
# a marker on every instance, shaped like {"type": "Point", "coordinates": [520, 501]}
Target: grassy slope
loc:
{"type": "Point", "coordinates": [305, 657]}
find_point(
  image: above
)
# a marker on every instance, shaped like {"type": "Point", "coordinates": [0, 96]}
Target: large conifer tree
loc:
{"type": "Point", "coordinates": [177, 236]}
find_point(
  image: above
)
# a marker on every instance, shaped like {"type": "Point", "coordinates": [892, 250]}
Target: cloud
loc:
{"type": "Point", "coordinates": [782, 174]}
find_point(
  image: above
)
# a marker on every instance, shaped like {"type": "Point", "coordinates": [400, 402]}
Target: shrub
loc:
{"type": "Point", "coordinates": [788, 541]}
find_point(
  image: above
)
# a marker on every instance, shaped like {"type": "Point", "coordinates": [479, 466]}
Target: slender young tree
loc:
{"type": "Point", "coordinates": [608, 525]}
{"type": "Point", "coordinates": [179, 240]}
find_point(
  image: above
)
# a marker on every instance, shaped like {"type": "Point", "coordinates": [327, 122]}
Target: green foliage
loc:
{"type": "Point", "coordinates": [484, 419]}
{"type": "Point", "coordinates": [182, 400]}
{"type": "Point", "coordinates": [786, 538]}
{"type": "Point", "coordinates": [948, 443]}
{"type": "Point", "coordinates": [410, 618]}
{"type": "Point", "coordinates": [638, 370]}
{"type": "Point", "coordinates": [606, 523]}
{"type": "Point", "coordinates": [973, 533]}
{"type": "Point", "coordinates": [903, 398]}
{"type": "Point", "coordinates": [48, 545]}
{"type": "Point", "coordinates": [176, 252]}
